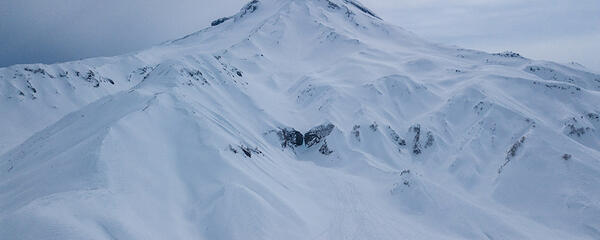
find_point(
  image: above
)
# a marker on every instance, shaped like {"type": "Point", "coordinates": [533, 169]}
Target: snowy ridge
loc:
{"type": "Point", "coordinates": [293, 119]}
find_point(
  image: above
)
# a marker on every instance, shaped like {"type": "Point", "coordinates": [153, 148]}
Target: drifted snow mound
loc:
{"type": "Point", "coordinates": [295, 119]}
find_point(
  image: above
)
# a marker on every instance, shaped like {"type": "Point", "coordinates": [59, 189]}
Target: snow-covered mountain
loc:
{"type": "Point", "coordinates": [300, 119]}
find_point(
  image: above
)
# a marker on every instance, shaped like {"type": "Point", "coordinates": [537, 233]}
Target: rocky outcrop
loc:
{"type": "Point", "coordinates": [324, 149]}
{"type": "Point", "coordinates": [290, 138]}
{"type": "Point", "coordinates": [508, 54]}
{"type": "Point", "coordinates": [421, 142]}
{"type": "Point", "coordinates": [512, 152]}
{"type": "Point", "coordinates": [219, 21]}
{"type": "Point", "coordinates": [356, 132]}
{"type": "Point", "coordinates": [400, 142]}
{"type": "Point", "coordinates": [247, 151]}
{"type": "Point", "coordinates": [317, 134]}
{"type": "Point", "coordinates": [249, 8]}
{"type": "Point", "coordinates": [362, 8]}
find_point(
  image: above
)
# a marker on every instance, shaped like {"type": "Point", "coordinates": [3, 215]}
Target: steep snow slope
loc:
{"type": "Point", "coordinates": [300, 119]}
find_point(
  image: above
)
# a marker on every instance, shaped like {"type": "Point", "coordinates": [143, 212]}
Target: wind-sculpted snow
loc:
{"type": "Point", "coordinates": [293, 119]}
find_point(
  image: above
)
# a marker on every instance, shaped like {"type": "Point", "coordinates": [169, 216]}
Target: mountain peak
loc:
{"type": "Point", "coordinates": [349, 7]}
{"type": "Point", "coordinates": [299, 24]}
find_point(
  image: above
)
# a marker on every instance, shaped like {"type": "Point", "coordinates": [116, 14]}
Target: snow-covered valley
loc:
{"type": "Point", "coordinates": [300, 119]}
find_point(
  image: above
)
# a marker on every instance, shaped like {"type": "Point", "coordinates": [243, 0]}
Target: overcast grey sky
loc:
{"type": "Point", "coordinates": [47, 31]}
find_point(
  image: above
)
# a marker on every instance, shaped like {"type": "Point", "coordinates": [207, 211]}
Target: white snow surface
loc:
{"type": "Point", "coordinates": [185, 140]}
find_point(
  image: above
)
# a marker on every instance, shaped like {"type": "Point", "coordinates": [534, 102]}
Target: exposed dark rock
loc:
{"type": "Point", "coordinates": [90, 77]}
{"type": "Point", "coordinates": [195, 75]}
{"type": "Point", "coordinates": [593, 116]}
{"type": "Point", "coordinates": [232, 149]}
{"type": "Point", "coordinates": [534, 69]}
{"type": "Point", "coordinates": [508, 54]}
{"type": "Point", "coordinates": [362, 8]}
{"type": "Point", "coordinates": [406, 183]}
{"type": "Point", "coordinates": [30, 87]}
{"type": "Point", "coordinates": [249, 8]}
{"type": "Point", "coordinates": [325, 149]}
{"type": "Point", "coordinates": [290, 138]}
{"type": "Point", "coordinates": [219, 21]}
{"type": "Point", "coordinates": [512, 152]}
{"type": "Point", "coordinates": [356, 132]}
{"type": "Point", "coordinates": [567, 157]}
{"type": "Point", "coordinates": [374, 127]}
{"type": "Point", "coordinates": [418, 144]}
{"type": "Point", "coordinates": [579, 131]}
{"type": "Point", "coordinates": [573, 127]}
{"type": "Point", "coordinates": [293, 138]}
{"type": "Point", "coordinates": [430, 140]}
{"type": "Point", "coordinates": [332, 5]}
{"type": "Point", "coordinates": [249, 151]}
{"type": "Point", "coordinates": [481, 107]}
{"type": "Point", "coordinates": [515, 147]}
{"type": "Point", "coordinates": [38, 71]}
{"type": "Point", "coordinates": [349, 14]}
{"type": "Point", "coordinates": [145, 71]}
{"type": "Point", "coordinates": [395, 137]}
{"type": "Point", "coordinates": [417, 139]}
{"type": "Point", "coordinates": [561, 87]}
{"type": "Point", "coordinates": [317, 134]}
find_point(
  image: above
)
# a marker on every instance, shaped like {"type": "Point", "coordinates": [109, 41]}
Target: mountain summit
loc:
{"type": "Point", "coordinates": [300, 119]}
